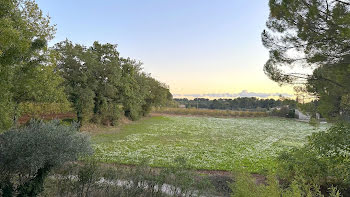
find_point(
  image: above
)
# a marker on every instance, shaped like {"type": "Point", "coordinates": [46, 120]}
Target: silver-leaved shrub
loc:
{"type": "Point", "coordinates": [29, 153]}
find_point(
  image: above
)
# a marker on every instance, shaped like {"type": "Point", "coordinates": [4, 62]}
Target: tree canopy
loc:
{"type": "Point", "coordinates": [313, 35]}
{"type": "Point", "coordinates": [24, 34]}
{"type": "Point", "coordinates": [103, 86]}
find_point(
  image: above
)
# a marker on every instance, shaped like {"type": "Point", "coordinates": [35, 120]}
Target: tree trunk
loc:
{"type": "Point", "coordinates": [15, 114]}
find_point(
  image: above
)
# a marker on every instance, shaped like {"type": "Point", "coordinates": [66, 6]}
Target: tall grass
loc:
{"type": "Point", "coordinates": [94, 179]}
{"type": "Point", "coordinates": [209, 112]}
{"type": "Point", "coordinates": [246, 186]}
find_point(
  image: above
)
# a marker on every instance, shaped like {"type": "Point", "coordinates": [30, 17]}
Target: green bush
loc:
{"type": "Point", "coordinates": [323, 161]}
{"type": "Point", "coordinates": [29, 153]}
{"type": "Point", "coordinates": [314, 122]}
{"type": "Point", "coordinates": [320, 168]}
{"type": "Point", "coordinates": [291, 113]}
{"type": "Point", "coordinates": [246, 186]}
{"type": "Point", "coordinates": [109, 114]}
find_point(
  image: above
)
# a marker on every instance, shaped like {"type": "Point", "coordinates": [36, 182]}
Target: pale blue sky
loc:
{"type": "Point", "coordinates": [195, 46]}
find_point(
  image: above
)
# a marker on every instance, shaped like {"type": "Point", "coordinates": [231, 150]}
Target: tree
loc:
{"type": "Point", "coordinates": [105, 65]}
{"type": "Point", "coordinates": [24, 34]}
{"type": "Point", "coordinates": [333, 97]}
{"type": "Point", "coordinates": [78, 81]}
{"type": "Point", "coordinates": [131, 93]}
{"type": "Point", "coordinates": [312, 34]}
{"type": "Point", "coordinates": [155, 93]}
{"type": "Point", "coordinates": [37, 82]}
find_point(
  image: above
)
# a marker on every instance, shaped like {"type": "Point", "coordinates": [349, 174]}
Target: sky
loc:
{"type": "Point", "coordinates": [199, 48]}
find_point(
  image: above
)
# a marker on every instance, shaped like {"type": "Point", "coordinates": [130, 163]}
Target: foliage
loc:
{"type": "Point", "coordinates": [100, 85]}
{"type": "Point", "coordinates": [205, 142]}
{"type": "Point", "coordinates": [78, 82]}
{"type": "Point", "coordinates": [26, 72]}
{"type": "Point", "coordinates": [314, 122]}
{"type": "Point", "coordinates": [333, 95]}
{"type": "Point", "coordinates": [245, 186]}
{"type": "Point", "coordinates": [35, 109]}
{"type": "Point", "coordinates": [319, 168]}
{"type": "Point", "coordinates": [29, 153]}
{"type": "Point", "coordinates": [103, 86]}
{"type": "Point", "coordinates": [158, 94]}
{"type": "Point", "coordinates": [37, 84]}
{"type": "Point", "coordinates": [132, 92]}
{"type": "Point", "coordinates": [322, 161]}
{"type": "Point", "coordinates": [309, 108]}
{"type": "Point", "coordinates": [305, 32]}
{"type": "Point", "coordinates": [315, 35]}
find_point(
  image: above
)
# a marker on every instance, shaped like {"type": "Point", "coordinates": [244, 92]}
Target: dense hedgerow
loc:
{"type": "Point", "coordinates": [102, 86]}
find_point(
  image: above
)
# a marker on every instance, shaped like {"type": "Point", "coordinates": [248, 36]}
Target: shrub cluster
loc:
{"type": "Point", "coordinates": [324, 160]}
{"type": "Point", "coordinates": [246, 186]}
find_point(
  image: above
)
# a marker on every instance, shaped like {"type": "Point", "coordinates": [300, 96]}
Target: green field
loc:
{"type": "Point", "coordinates": [205, 142]}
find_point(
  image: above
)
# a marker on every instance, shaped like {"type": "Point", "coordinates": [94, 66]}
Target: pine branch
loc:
{"type": "Point", "coordinates": [343, 2]}
{"type": "Point", "coordinates": [309, 77]}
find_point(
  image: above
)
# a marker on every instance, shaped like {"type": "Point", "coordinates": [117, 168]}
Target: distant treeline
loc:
{"type": "Point", "coordinates": [242, 103]}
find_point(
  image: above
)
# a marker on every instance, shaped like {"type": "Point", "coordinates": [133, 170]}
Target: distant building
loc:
{"type": "Point", "coordinates": [182, 106]}
{"type": "Point", "coordinates": [299, 115]}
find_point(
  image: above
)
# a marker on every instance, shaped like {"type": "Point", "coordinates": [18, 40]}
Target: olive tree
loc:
{"type": "Point", "coordinates": [29, 153]}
